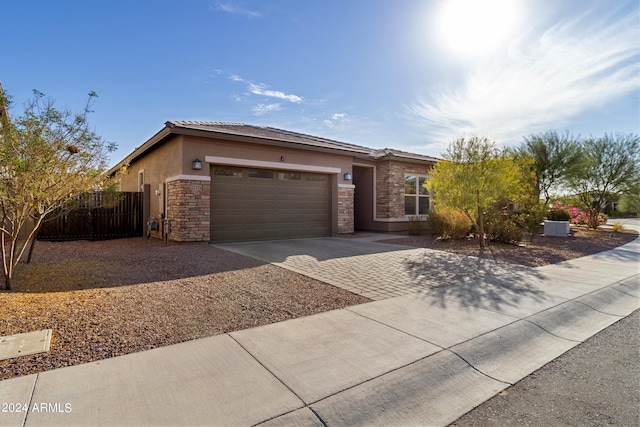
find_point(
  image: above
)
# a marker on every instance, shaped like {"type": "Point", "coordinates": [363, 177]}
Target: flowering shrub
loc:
{"type": "Point", "coordinates": [585, 217]}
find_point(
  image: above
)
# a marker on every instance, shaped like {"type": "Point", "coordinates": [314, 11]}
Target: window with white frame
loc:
{"type": "Point", "coordinates": [141, 180]}
{"type": "Point", "coordinates": [416, 196]}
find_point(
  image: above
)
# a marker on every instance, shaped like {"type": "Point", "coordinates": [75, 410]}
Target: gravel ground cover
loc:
{"type": "Point", "coordinates": [542, 251]}
{"type": "Point", "coordinates": [109, 298]}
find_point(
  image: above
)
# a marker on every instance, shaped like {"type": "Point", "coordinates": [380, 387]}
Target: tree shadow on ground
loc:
{"type": "Point", "coordinates": [447, 278]}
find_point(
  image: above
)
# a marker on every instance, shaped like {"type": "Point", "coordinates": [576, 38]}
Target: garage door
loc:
{"type": "Point", "coordinates": [260, 204]}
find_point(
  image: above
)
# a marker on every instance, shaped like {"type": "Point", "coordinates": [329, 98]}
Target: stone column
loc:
{"type": "Point", "coordinates": [345, 208]}
{"type": "Point", "coordinates": [189, 209]}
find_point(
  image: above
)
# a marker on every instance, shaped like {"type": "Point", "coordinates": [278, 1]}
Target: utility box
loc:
{"type": "Point", "coordinates": [557, 228]}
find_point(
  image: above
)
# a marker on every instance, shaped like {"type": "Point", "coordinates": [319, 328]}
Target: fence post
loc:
{"type": "Point", "coordinates": [146, 203]}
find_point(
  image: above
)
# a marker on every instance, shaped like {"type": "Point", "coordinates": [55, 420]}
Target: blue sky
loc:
{"type": "Point", "coordinates": [378, 73]}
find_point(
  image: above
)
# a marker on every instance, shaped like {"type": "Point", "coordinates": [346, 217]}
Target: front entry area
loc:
{"type": "Point", "coordinates": [263, 204]}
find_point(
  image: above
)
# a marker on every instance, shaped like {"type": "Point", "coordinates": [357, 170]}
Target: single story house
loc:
{"type": "Point", "coordinates": [224, 182]}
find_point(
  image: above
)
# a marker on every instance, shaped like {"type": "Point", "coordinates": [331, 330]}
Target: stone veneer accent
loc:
{"type": "Point", "coordinates": [345, 209]}
{"type": "Point", "coordinates": [390, 187]}
{"type": "Point", "coordinates": [188, 208]}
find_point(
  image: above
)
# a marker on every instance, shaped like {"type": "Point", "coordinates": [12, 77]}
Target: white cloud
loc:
{"type": "Point", "coordinates": [541, 84]}
{"type": "Point", "coordinates": [262, 109]}
{"type": "Point", "coordinates": [236, 10]}
{"type": "Point", "coordinates": [337, 121]}
{"type": "Point", "coordinates": [262, 90]}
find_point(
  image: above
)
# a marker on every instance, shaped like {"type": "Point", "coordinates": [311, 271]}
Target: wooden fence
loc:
{"type": "Point", "coordinates": [94, 217]}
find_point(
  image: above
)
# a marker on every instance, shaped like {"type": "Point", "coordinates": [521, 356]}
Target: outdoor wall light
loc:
{"type": "Point", "coordinates": [197, 165]}
{"type": "Point", "coordinates": [348, 176]}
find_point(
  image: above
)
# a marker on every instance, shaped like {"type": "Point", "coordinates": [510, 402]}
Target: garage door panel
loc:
{"type": "Point", "coordinates": [316, 192]}
{"type": "Point", "coordinates": [254, 208]}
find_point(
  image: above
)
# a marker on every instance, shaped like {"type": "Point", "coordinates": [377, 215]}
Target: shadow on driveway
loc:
{"type": "Point", "coordinates": [472, 281]}
{"type": "Point", "coordinates": [381, 270]}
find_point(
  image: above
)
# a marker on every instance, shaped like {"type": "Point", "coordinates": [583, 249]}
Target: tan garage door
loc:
{"type": "Point", "coordinates": [259, 204]}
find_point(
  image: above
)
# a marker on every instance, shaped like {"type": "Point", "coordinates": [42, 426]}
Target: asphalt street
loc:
{"type": "Point", "coordinates": [594, 384]}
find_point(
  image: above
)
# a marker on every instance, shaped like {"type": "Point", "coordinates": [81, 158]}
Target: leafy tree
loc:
{"type": "Point", "coordinates": [629, 203]}
{"type": "Point", "coordinates": [48, 157]}
{"type": "Point", "coordinates": [611, 170]}
{"type": "Point", "coordinates": [555, 159]}
{"type": "Point", "coordinates": [474, 177]}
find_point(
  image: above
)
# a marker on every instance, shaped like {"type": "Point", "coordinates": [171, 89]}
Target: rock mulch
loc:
{"type": "Point", "coordinates": [105, 299]}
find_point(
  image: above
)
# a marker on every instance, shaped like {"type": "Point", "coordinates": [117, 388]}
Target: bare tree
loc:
{"type": "Point", "coordinates": [48, 157]}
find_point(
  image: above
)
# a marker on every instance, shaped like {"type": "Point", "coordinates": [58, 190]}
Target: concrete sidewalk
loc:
{"type": "Point", "coordinates": [422, 358]}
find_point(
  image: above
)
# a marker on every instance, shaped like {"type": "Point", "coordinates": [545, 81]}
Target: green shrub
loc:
{"type": "Point", "coordinates": [417, 225]}
{"type": "Point", "coordinates": [558, 215]}
{"type": "Point", "coordinates": [531, 220]}
{"type": "Point", "coordinates": [449, 223]}
{"type": "Point", "coordinates": [503, 229]}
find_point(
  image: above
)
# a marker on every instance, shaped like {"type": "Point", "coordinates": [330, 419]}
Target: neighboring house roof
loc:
{"type": "Point", "coordinates": [404, 155]}
{"type": "Point", "coordinates": [266, 135]}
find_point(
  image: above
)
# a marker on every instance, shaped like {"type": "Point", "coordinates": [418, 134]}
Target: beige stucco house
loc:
{"type": "Point", "coordinates": [224, 182]}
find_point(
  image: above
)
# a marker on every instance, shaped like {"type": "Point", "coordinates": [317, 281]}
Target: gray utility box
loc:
{"type": "Point", "coordinates": [557, 228]}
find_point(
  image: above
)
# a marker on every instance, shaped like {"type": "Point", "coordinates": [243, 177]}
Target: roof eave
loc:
{"type": "Point", "coordinates": [408, 157]}
{"type": "Point", "coordinates": [139, 151]}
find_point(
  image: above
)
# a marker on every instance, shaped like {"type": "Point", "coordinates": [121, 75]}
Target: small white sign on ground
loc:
{"type": "Point", "coordinates": [24, 344]}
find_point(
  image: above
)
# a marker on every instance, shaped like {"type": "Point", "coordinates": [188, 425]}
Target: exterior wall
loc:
{"type": "Point", "coordinates": [199, 147]}
{"type": "Point", "coordinates": [158, 165]}
{"type": "Point", "coordinates": [341, 214]}
{"type": "Point", "coordinates": [346, 209]}
{"type": "Point", "coordinates": [189, 209]}
{"type": "Point", "coordinates": [185, 195]}
{"type": "Point", "coordinates": [389, 194]}
{"type": "Point", "coordinates": [390, 187]}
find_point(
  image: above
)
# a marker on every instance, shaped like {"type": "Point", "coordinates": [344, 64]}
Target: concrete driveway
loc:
{"type": "Point", "coordinates": [371, 268]}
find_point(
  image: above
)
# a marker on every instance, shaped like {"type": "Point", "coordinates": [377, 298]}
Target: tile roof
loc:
{"type": "Point", "coordinates": [269, 133]}
{"type": "Point", "coordinates": [391, 152]}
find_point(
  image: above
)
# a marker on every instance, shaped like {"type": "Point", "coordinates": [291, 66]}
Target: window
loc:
{"type": "Point", "coordinates": [416, 196]}
{"type": "Point", "coordinates": [259, 173]}
{"type": "Point", "coordinates": [290, 176]}
{"type": "Point", "coordinates": [220, 171]}
{"type": "Point", "coordinates": [141, 180]}
{"type": "Point", "coordinates": [316, 178]}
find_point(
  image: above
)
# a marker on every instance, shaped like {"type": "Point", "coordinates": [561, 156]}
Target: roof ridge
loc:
{"type": "Point", "coordinates": [314, 137]}
{"type": "Point", "coordinates": [198, 122]}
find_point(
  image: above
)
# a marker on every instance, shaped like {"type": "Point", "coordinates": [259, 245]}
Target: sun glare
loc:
{"type": "Point", "coordinates": [470, 28]}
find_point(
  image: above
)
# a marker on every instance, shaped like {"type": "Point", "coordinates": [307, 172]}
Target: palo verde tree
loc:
{"type": "Point", "coordinates": [611, 170]}
{"type": "Point", "coordinates": [556, 158]}
{"type": "Point", "coordinates": [474, 176]}
{"type": "Point", "coordinates": [48, 157]}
